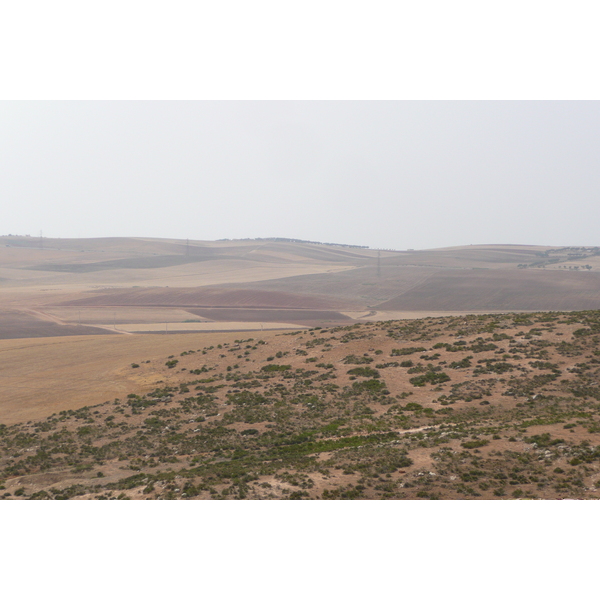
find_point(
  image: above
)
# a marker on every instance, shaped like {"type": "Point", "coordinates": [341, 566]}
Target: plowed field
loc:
{"type": "Point", "coordinates": [209, 297]}
{"type": "Point", "coordinates": [15, 324]}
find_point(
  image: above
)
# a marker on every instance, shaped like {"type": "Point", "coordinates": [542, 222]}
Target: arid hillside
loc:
{"type": "Point", "coordinates": [64, 287]}
{"type": "Point", "coordinates": [496, 406]}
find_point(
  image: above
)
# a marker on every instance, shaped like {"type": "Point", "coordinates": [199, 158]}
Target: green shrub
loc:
{"type": "Point", "coordinates": [475, 444]}
{"type": "Point", "coordinates": [406, 351]}
{"type": "Point", "coordinates": [544, 440]}
{"type": "Point", "coordinates": [249, 432]}
{"type": "Point", "coordinates": [461, 364]}
{"type": "Point", "coordinates": [413, 406]}
{"type": "Point", "coordinates": [371, 385]}
{"type": "Point", "coordinates": [352, 359]}
{"type": "Point", "coordinates": [364, 372]}
{"type": "Point", "coordinates": [430, 377]}
{"type": "Point", "coordinates": [273, 368]}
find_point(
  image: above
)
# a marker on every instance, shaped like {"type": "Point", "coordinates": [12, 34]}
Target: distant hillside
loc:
{"type": "Point", "coordinates": [334, 281]}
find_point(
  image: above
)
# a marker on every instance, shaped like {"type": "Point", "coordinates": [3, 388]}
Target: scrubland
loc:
{"type": "Point", "coordinates": [488, 406]}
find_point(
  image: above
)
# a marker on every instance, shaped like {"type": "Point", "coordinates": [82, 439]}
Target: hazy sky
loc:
{"type": "Point", "coordinates": [399, 174]}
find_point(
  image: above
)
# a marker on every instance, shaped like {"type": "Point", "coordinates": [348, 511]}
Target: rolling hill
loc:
{"type": "Point", "coordinates": [56, 287]}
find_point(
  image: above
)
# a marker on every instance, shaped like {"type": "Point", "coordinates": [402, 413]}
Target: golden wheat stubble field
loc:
{"type": "Point", "coordinates": [46, 375]}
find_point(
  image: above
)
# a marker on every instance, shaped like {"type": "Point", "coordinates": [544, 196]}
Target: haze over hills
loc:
{"type": "Point", "coordinates": [147, 352]}
{"type": "Point", "coordinates": [56, 287]}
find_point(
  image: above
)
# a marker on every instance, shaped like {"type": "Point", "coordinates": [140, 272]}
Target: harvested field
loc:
{"type": "Point", "coordinates": [469, 257]}
{"type": "Point", "coordinates": [23, 261]}
{"type": "Point", "coordinates": [208, 326]}
{"type": "Point", "coordinates": [118, 314]}
{"type": "Point", "coordinates": [496, 290]}
{"type": "Point", "coordinates": [146, 262]}
{"type": "Point", "coordinates": [268, 315]}
{"type": "Point", "coordinates": [17, 324]}
{"type": "Point", "coordinates": [397, 315]}
{"type": "Point", "coordinates": [43, 376]}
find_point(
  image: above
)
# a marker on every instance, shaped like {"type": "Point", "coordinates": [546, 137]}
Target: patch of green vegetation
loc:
{"type": "Point", "coordinates": [364, 372]}
{"type": "Point", "coordinates": [352, 359]}
{"type": "Point", "coordinates": [275, 368]}
{"type": "Point", "coordinates": [406, 351]}
{"type": "Point", "coordinates": [430, 377]}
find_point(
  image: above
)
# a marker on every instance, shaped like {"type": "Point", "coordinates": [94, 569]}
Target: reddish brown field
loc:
{"type": "Point", "coordinates": [17, 324]}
